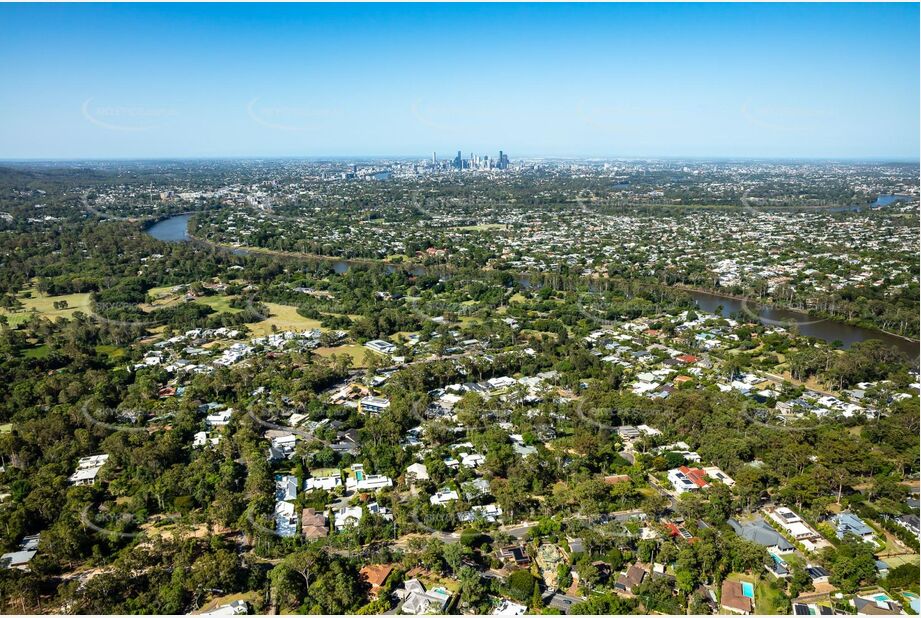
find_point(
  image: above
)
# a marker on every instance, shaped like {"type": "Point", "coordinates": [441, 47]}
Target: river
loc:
{"type": "Point", "coordinates": [827, 330]}
{"type": "Point", "coordinates": [175, 229]}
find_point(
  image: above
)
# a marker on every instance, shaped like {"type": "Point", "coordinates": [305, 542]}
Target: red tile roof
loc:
{"type": "Point", "coordinates": [696, 475]}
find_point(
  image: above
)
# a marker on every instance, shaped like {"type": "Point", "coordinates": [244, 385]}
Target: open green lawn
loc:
{"type": "Point", "coordinates": [894, 561]}
{"type": "Point", "coordinates": [166, 290]}
{"type": "Point", "coordinates": [35, 302]}
{"type": "Point", "coordinates": [111, 351]}
{"type": "Point", "coordinates": [482, 227]}
{"type": "Point", "coordinates": [283, 317]}
{"type": "Point", "coordinates": [323, 472]}
{"type": "Point", "coordinates": [357, 352]}
{"type": "Point", "coordinates": [37, 352]}
{"type": "Point", "coordinates": [221, 304]}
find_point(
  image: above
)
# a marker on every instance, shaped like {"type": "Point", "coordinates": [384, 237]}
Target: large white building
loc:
{"type": "Point", "coordinates": [360, 481]}
{"type": "Point", "coordinates": [87, 470]}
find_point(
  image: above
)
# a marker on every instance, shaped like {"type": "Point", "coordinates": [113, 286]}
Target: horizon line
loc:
{"type": "Point", "coordinates": [385, 157]}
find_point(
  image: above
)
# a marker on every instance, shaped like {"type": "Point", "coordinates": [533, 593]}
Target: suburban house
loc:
{"type": "Point", "coordinates": [373, 405]}
{"type": "Point", "coordinates": [444, 496]}
{"type": "Point", "coordinates": [381, 346]}
{"type": "Point", "coordinates": [219, 419]}
{"type": "Point", "coordinates": [347, 516]}
{"type": "Point", "coordinates": [418, 601]}
{"type": "Point", "coordinates": [204, 438]}
{"type": "Point", "coordinates": [794, 525]}
{"type": "Point", "coordinates": [285, 519]}
{"type": "Point", "coordinates": [733, 598]}
{"type": "Point", "coordinates": [489, 513]}
{"type": "Point", "coordinates": [515, 554]}
{"type": "Point", "coordinates": [848, 523]}
{"type": "Point", "coordinates": [909, 522]}
{"type": "Point", "coordinates": [359, 481]}
{"type": "Point", "coordinates": [416, 472]}
{"type": "Point", "coordinates": [875, 607]}
{"type": "Point", "coordinates": [282, 445]}
{"type": "Point", "coordinates": [87, 469]}
{"type": "Point", "coordinates": [329, 482]}
{"type": "Point", "coordinates": [686, 479]}
{"type": "Point", "coordinates": [313, 524]}
{"type": "Point", "coordinates": [812, 609]}
{"type": "Point", "coordinates": [20, 558]}
{"type": "Point", "coordinates": [509, 608]}
{"type": "Point", "coordinates": [630, 579]}
{"type": "Point", "coordinates": [716, 474]}
{"type": "Point", "coordinates": [760, 532]}
{"type": "Point", "coordinates": [376, 575]}
{"type": "Point", "coordinates": [818, 574]}
{"type": "Point", "coordinates": [285, 487]}
{"type": "Point", "coordinates": [234, 608]}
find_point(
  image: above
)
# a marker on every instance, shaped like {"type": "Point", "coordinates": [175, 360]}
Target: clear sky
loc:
{"type": "Point", "coordinates": [691, 80]}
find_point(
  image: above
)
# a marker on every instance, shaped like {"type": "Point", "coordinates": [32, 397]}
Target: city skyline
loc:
{"type": "Point", "coordinates": [584, 81]}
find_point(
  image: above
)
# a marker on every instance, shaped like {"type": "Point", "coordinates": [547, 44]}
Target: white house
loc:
{"type": "Point", "coordinates": [379, 345]}
{"type": "Point", "coordinates": [87, 469]}
{"type": "Point", "coordinates": [359, 481]}
{"type": "Point", "coordinates": [373, 405]}
{"type": "Point", "coordinates": [347, 517]}
{"type": "Point", "coordinates": [444, 496]}
{"type": "Point", "coordinates": [328, 482]}
{"type": "Point", "coordinates": [219, 419]}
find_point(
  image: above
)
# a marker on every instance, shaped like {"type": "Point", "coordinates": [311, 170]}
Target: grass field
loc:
{"type": "Point", "coordinates": [44, 306]}
{"type": "Point", "coordinates": [111, 351]}
{"type": "Point", "coordinates": [37, 352]}
{"type": "Point", "coordinates": [323, 472]}
{"type": "Point", "coordinates": [283, 317]}
{"type": "Point", "coordinates": [357, 352]}
{"type": "Point", "coordinates": [221, 304]}
{"type": "Point", "coordinates": [166, 290]}
{"type": "Point", "coordinates": [482, 227]}
{"type": "Point", "coordinates": [894, 561]}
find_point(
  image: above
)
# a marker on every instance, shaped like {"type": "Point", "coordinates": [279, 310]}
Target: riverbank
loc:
{"type": "Point", "coordinates": [826, 329]}
{"type": "Point", "coordinates": [776, 306]}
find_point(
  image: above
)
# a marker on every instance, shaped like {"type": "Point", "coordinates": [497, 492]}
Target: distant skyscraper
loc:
{"type": "Point", "coordinates": [434, 160]}
{"type": "Point", "coordinates": [502, 164]}
{"type": "Point", "coordinates": [459, 161]}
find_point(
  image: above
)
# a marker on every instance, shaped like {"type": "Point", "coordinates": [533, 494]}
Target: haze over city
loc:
{"type": "Point", "coordinates": [716, 80]}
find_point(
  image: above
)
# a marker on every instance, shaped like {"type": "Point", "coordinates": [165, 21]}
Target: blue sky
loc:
{"type": "Point", "coordinates": [687, 80]}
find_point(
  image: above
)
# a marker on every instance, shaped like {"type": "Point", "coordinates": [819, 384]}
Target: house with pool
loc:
{"type": "Point", "coordinates": [738, 597]}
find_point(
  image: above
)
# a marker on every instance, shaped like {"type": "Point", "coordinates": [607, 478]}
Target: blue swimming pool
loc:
{"type": "Point", "coordinates": [748, 589]}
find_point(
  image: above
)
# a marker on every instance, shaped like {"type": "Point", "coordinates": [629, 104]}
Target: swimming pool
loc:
{"type": "Point", "coordinates": [748, 589]}
{"type": "Point", "coordinates": [359, 475]}
{"type": "Point", "coordinates": [884, 598]}
{"type": "Point", "coordinates": [914, 601]}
